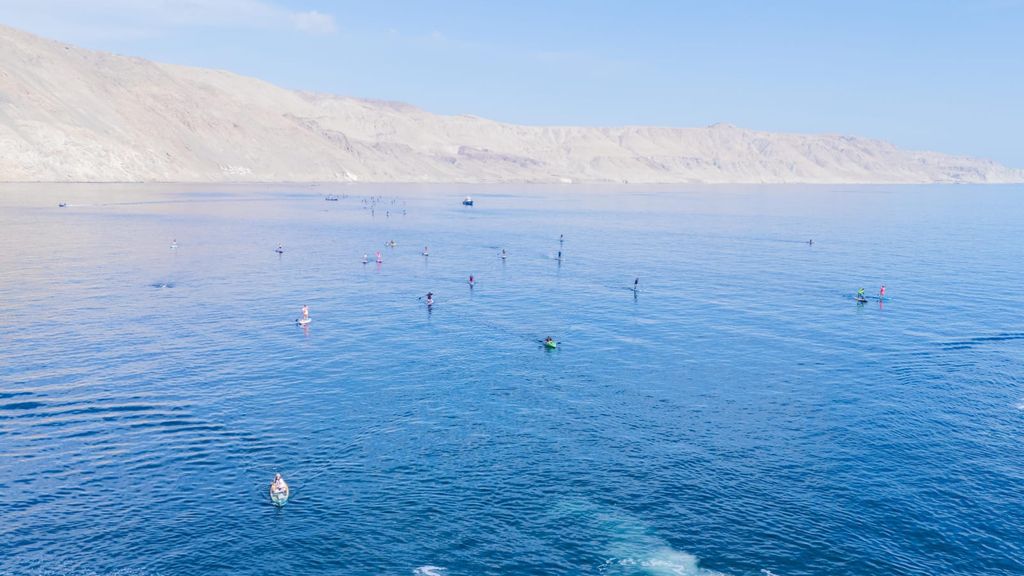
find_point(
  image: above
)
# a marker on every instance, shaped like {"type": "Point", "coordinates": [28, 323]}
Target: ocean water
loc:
{"type": "Point", "coordinates": [739, 415]}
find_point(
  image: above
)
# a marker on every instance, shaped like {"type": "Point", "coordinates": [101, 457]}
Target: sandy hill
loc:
{"type": "Point", "coordinates": [69, 114]}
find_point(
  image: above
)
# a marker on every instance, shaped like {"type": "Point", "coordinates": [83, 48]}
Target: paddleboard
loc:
{"type": "Point", "coordinates": [279, 498]}
{"type": "Point", "coordinates": [861, 300]}
{"type": "Point", "coordinates": [303, 321]}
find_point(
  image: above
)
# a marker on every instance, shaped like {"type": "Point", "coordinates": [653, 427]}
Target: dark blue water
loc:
{"type": "Point", "coordinates": [740, 415]}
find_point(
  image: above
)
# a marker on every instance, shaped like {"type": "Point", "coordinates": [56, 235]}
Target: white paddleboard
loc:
{"type": "Point", "coordinates": [279, 498]}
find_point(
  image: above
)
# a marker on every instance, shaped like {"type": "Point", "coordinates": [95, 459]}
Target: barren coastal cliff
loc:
{"type": "Point", "coordinates": [74, 115]}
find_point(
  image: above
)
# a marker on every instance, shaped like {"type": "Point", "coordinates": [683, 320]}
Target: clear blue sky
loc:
{"type": "Point", "coordinates": [938, 75]}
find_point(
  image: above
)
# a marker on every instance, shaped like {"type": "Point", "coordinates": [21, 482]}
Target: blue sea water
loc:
{"type": "Point", "coordinates": [740, 415]}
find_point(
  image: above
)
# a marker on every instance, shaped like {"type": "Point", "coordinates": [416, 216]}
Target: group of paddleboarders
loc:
{"type": "Point", "coordinates": [861, 297]}
{"type": "Point", "coordinates": [548, 342]}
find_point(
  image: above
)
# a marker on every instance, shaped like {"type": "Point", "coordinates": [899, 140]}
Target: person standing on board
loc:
{"type": "Point", "coordinates": [881, 292]}
{"type": "Point", "coordinates": [305, 312]}
{"type": "Point", "coordinates": [430, 298]}
{"type": "Point", "coordinates": [471, 281]}
{"type": "Point", "coordinates": [379, 259]}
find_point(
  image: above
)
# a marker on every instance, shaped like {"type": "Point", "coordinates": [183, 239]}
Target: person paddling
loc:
{"type": "Point", "coordinates": [426, 250]}
{"type": "Point", "coordinates": [279, 486]}
{"type": "Point", "coordinates": [430, 298]}
{"type": "Point", "coordinates": [305, 312]}
{"type": "Point", "coordinates": [860, 295]}
{"type": "Point", "coordinates": [636, 284]}
{"type": "Point", "coordinates": [365, 258]}
{"type": "Point", "coordinates": [279, 490]}
{"type": "Point", "coordinates": [503, 254]}
{"type": "Point", "coordinates": [379, 259]}
{"type": "Point", "coordinates": [881, 292]}
{"type": "Point", "coordinates": [471, 281]}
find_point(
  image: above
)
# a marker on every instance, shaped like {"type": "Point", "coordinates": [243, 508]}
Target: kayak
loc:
{"type": "Point", "coordinates": [303, 321]}
{"type": "Point", "coordinates": [552, 344]}
{"type": "Point", "coordinates": [279, 497]}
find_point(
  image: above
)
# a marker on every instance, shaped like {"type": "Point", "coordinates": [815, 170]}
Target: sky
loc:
{"type": "Point", "coordinates": [930, 75]}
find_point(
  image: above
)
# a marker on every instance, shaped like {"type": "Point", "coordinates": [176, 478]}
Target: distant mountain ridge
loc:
{"type": "Point", "coordinates": [68, 115]}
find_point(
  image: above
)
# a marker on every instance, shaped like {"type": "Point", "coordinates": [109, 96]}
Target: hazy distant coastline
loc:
{"type": "Point", "coordinates": [74, 115]}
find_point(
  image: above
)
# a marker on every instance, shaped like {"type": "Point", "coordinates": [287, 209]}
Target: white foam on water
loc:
{"type": "Point", "coordinates": [632, 546]}
{"type": "Point", "coordinates": [429, 571]}
{"type": "Point", "coordinates": [663, 561]}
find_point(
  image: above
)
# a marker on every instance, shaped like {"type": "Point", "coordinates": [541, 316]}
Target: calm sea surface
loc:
{"type": "Point", "coordinates": [740, 415]}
